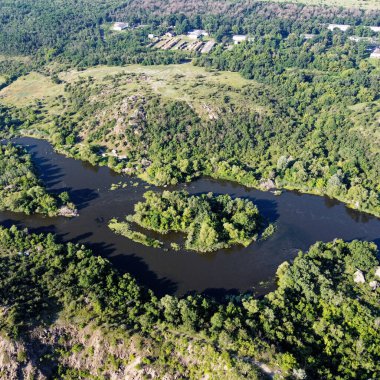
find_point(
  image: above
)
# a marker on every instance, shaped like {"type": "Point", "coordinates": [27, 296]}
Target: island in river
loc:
{"type": "Point", "coordinates": [210, 222]}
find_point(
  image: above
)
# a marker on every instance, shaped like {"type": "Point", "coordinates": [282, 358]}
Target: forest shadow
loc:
{"type": "Point", "coordinates": [137, 268]}
{"type": "Point", "coordinates": [81, 197]}
{"type": "Point", "coordinates": [50, 174]}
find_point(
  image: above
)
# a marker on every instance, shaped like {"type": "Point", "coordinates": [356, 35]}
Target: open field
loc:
{"type": "Point", "coordinates": [363, 4]}
{"type": "Point", "coordinates": [17, 58]}
{"type": "Point", "coordinates": [28, 89]}
{"type": "Point", "coordinates": [199, 88]}
{"type": "Point", "coordinates": [203, 90]}
{"type": "Point", "coordinates": [185, 71]}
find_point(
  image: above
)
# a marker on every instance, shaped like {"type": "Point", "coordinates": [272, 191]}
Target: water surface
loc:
{"type": "Point", "coordinates": [301, 220]}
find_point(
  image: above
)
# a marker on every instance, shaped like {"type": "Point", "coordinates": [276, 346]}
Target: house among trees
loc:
{"type": "Point", "coordinates": [375, 53]}
{"type": "Point", "coordinates": [342, 27]}
{"type": "Point", "coordinates": [169, 34]}
{"type": "Point", "coordinates": [120, 26]}
{"type": "Point", "coordinates": [197, 33]}
{"type": "Point", "coordinates": [308, 36]}
{"type": "Point", "coordinates": [238, 38]}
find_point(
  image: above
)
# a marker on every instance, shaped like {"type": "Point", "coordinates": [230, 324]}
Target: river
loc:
{"type": "Point", "coordinates": [301, 221]}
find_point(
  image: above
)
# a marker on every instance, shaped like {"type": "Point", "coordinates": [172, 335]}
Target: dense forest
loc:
{"type": "Point", "coordinates": [22, 191]}
{"type": "Point", "coordinates": [321, 322]}
{"type": "Point", "coordinates": [210, 222]}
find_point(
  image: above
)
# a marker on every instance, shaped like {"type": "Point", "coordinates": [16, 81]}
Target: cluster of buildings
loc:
{"type": "Point", "coordinates": [344, 27]}
{"type": "Point", "coordinates": [198, 34]}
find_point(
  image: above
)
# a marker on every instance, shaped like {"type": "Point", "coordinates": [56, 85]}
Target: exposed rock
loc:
{"type": "Point", "coordinates": [373, 285]}
{"type": "Point", "coordinates": [67, 212]}
{"type": "Point", "coordinates": [359, 277]}
{"type": "Point", "coordinates": [267, 184]}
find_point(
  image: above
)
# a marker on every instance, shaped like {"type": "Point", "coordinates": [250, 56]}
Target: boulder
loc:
{"type": "Point", "coordinates": [359, 277]}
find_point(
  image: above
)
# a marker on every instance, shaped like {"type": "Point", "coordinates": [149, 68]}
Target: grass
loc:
{"type": "Point", "coordinates": [364, 4]}
{"type": "Point", "coordinates": [195, 85]}
{"type": "Point", "coordinates": [30, 88]}
{"type": "Point", "coordinates": [17, 58]}
{"type": "Point", "coordinates": [124, 229]}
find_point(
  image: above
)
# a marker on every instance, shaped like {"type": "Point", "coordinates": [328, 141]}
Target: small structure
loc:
{"type": "Point", "coordinates": [377, 272]}
{"type": "Point", "coordinates": [208, 47]}
{"type": "Point", "coordinates": [308, 36]}
{"type": "Point", "coordinates": [373, 285]}
{"type": "Point", "coordinates": [375, 53]}
{"type": "Point", "coordinates": [169, 34]}
{"type": "Point", "coordinates": [375, 29]}
{"type": "Point", "coordinates": [359, 277]}
{"type": "Point", "coordinates": [197, 33]}
{"type": "Point", "coordinates": [151, 36]}
{"type": "Point", "coordinates": [119, 26]}
{"type": "Point", "coordinates": [238, 38]}
{"type": "Point", "coordinates": [342, 27]}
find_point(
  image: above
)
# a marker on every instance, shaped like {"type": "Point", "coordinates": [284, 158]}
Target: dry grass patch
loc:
{"type": "Point", "coordinates": [28, 89]}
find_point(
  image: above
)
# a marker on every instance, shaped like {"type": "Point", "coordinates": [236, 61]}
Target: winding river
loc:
{"type": "Point", "coordinates": [301, 220]}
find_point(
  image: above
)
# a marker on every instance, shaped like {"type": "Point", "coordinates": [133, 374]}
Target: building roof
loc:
{"type": "Point", "coordinates": [375, 28]}
{"type": "Point", "coordinates": [342, 27]}
{"type": "Point", "coordinates": [239, 37]}
{"type": "Point", "coordinates": [375, 53]}
{"type": "Point", "coordinates": [120, 25]}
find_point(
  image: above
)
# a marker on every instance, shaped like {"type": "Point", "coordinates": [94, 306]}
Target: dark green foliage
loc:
{"type": "Point", "coordinates": [318, 306]}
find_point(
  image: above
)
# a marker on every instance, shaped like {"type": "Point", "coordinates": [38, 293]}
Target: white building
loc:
{"type": "Point", "coordinates": [120, 26]}
{"type": "Point", "coordinates": [308, 36]}
{"type": "Point", "coordinates": [238, 38]}
{"type": "Point", "coordinates": [375, 29]}
{"type": "Point", "coordinates": [342, 27]}
{"type": "Point", "coordinates": [375, 53]}
{"type": "Point", "coordinates": [151, 36]}
{"type": "Point", "coordinates": [198, 33]}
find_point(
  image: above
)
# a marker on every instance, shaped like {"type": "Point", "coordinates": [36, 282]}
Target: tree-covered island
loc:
{"type": "Point", "coordinates": [210, 222]}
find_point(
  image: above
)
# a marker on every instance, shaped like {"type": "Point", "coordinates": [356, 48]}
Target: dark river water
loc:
{"type": "Point", "coordinates": [301, 220]}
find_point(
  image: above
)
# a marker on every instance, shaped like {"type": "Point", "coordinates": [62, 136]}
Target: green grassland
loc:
{"type": "Point", "coordinates": [363, 4]}
{"type": "Point", "coordinates": [29, 89]}
{"type": "Point", "coordinates": [114, 88]}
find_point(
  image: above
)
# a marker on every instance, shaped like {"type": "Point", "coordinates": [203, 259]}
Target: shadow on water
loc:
{"type": "Point", "coordinates": [134, 265]}
{"type": "Point", "coordinates": [50, 174]}
{"type": "Point", "coordinates": [82, 197]}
